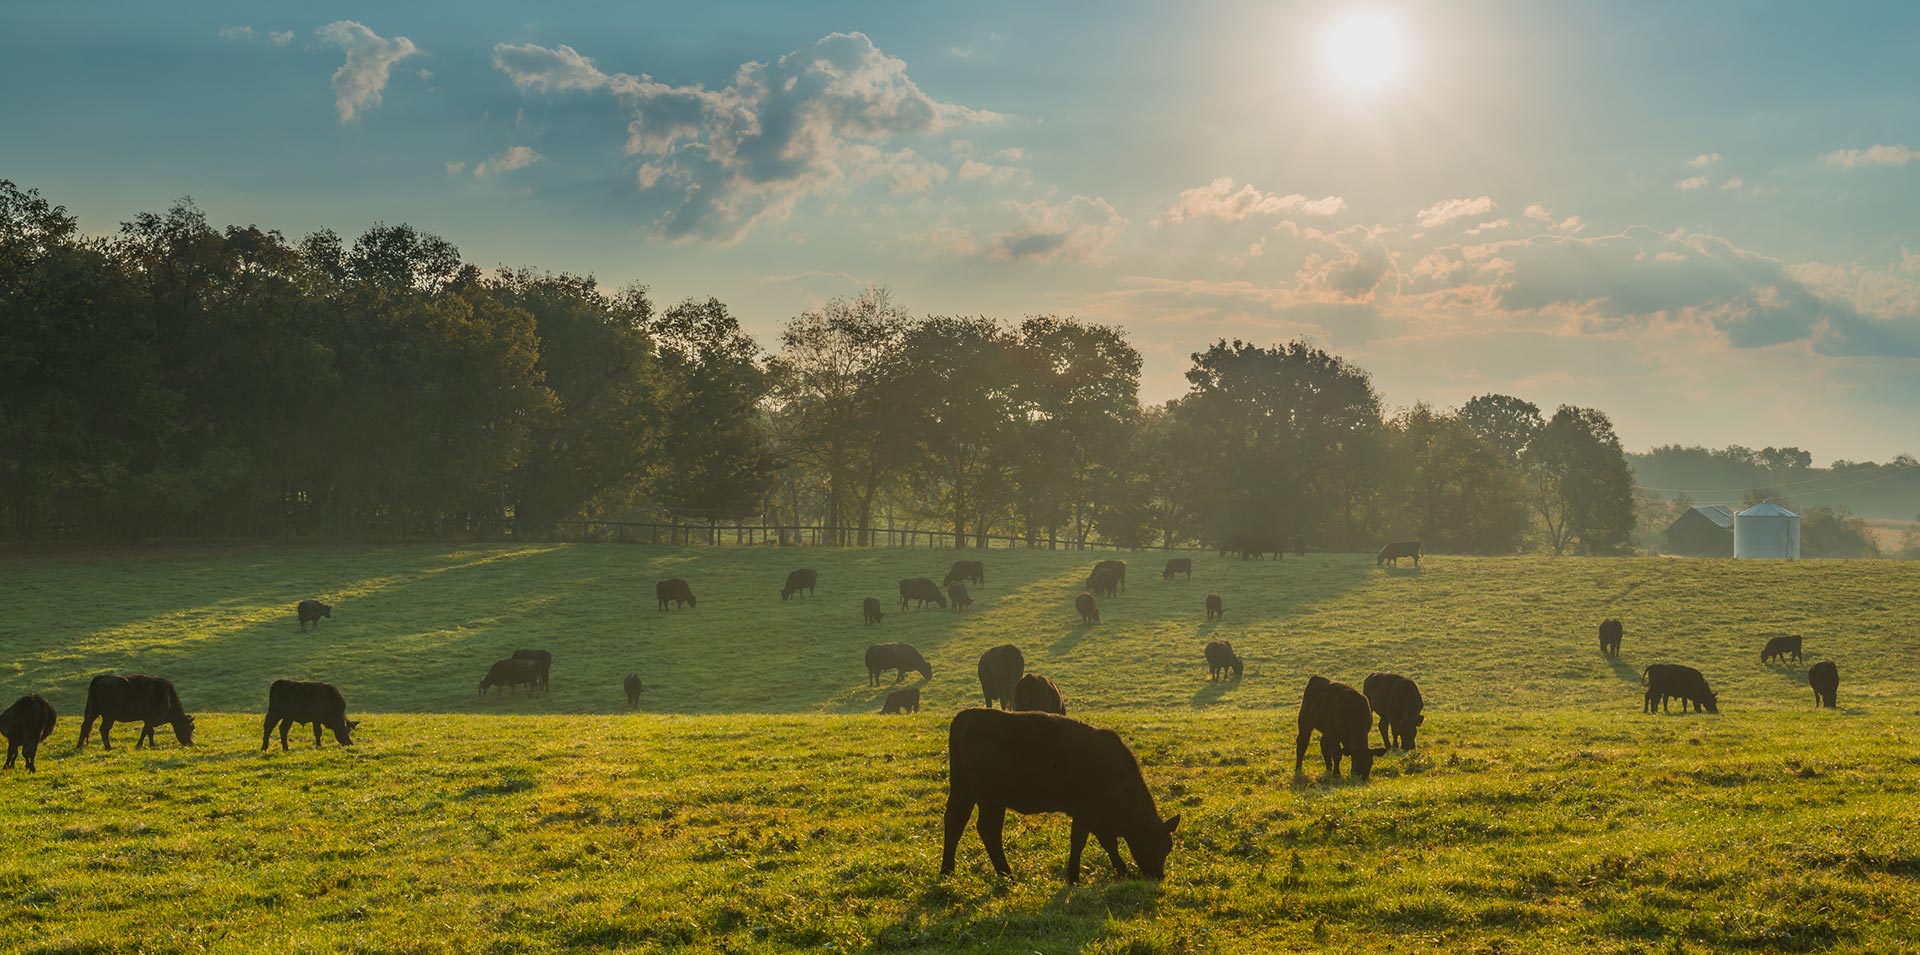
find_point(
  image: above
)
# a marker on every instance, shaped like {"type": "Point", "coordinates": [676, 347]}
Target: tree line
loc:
{"type": "Point", "coordinates": [175, 378]}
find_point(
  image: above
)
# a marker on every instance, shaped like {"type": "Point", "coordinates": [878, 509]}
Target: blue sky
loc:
{"type": "Point", "coordinates": [1703, 218]}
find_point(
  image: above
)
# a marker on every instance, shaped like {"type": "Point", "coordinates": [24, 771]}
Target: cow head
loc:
{"type": "Point", "coordinates": [1239, 667]}
{"type": "Point", "coordinates": [183, 730]}
{"type": "Point", "coordinates": [343, 731]}
{"type": "Point", "coordinates": [1363, 760]}
{"type": "Point", "coordinates": [326, 610]}
{"type": "Point", "coordinates": [926, 671]}
{"type": "Point", "coordinates": [1711, 702]}
{"type": "Point", "coordinates": [692, 602]}
{"type": "Point", "coordinates": [1151, 846]}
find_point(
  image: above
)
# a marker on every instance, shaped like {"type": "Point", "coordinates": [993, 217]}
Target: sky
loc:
{"type": "Point", "coordinates": [1701, 218]}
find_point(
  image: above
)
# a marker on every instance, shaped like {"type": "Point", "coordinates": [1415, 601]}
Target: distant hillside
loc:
{"type": "Point", "coordinates": [1886, 492]}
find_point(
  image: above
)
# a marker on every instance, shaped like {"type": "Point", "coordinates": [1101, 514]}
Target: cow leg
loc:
{"type": "Point", "coordinates": [12, 748]}
{"type": "Point", "coordinates": [1079, 842]}
{"type": "Point", "coordinates": [316, 734]}
{"type": "Point", "coordinates": [1330, 754]}
{"type": "Point", "coordinates": [33, 753]}
{"type": "Point", "coordinates": [1300, 750]}
{"type": "Point", "coordinates": [959, 807]}
{"type": "Point", "coordinates": [1112, 845]}
{"type": "Point", "coordinates": [106, 725]}
{"type": "Point", "coordinates": [1384, 739]}
{"type": "Point", "coordinates": [266, 731]}
{"type": "Point", "coordinates": [990, 823]}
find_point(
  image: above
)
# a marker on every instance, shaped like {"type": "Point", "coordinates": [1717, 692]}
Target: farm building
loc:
{"type": "Point", "coordinates": [1702, 532]}
{"type": "Point", "coordinates": [1766, 530]}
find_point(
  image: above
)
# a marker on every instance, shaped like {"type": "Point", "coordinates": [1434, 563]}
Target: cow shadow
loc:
{"type": "Point", "coordinates": [1210, 693]}
{"type": "Point", "coordinates": [1077, 916]}
{"type": "Point", "coordinates": [1072, 639]}
{"type": "Point", "coordinates": [1625, 671]}
{"type": "Point", "coordinates": [1401, 571]}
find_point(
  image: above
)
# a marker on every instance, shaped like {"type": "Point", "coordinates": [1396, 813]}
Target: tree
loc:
{"type": "Point", "coordinates": [1077, 387]}
{"type": "Point", "coordinates": [960, 414]}
{"type": "Point", "coordinates": [717, 462]}
{"type": "Point", "coordinates": [1582, 487]}
{"type": "Point", "coordinates": [1507, 423]}
{"type": "Point", "coordinates": [1456, 491]}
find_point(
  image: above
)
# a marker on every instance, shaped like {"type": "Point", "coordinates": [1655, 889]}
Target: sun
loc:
{"type": "Point", "coordinates": [1364, 52]}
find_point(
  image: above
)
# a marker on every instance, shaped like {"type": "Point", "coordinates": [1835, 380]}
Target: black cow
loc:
{"type": "Point", "coordinates": [1249, 546]}
{"type": "Point", "coordinates": [511, 672]}
{"type": "Point", "coordinates": [903, 700]}
{"type": "Point", "coordinates": [1088, 607]}
{"type": "Point", "coordinates": [290, 702]}
{"type": "Point", "coordinates": [967, 570]}
{"type": "Point", "coordinates": [1038, 762]}
{"type": "Point", "coordinates": [632, 685]}
{"type": "Point", "coordinates": [1177, 566]}
{"type": "Point", "coordinates": [1824, 677]}
{"type": "Point", "coordinates": [957, 592]}
{"type": "Point", "coordinates": [1215, 609]}
{"type": "Point", "coordinates": [898, 657]}
{"type": "Point", "coordinates": [1392, 553]}
{"type": "Point", "coordinates": [1118, 569]}
{"type": "Point", "coordinates": [922, 589]}
{"type": "Point", "coordinates": [25, 724]}
{"type": "Point", "coordinates": [1778, 648]}
{"type": "Point", "coordinates": [542, 661]}
{"type": "Point", "coordinates": [311, 612]}
{"type": "Point", "coordinates": [1345, 721]}
{"type": "Point", "coordinates": [802, 579]}
{"type": "Point", "coordinates": [870, 610]}
{"type": "Point", "coordinates": [1610, 633]}
{"type": "Point", "coordinates": [1664, 680]}
{"type": "Point", "coordinates": [1000, 668]}
{"type": "Point", "coordinates": [1397, 700]}
{"type": "Point", "coordinates": [1035, 692]}
{"type": "Point", "coordinates": [124, 699]}
{"type": "Point", "coordinates": [1103, 583]}
{"type": "Point", "coordinates": [1220, 659]}
{"type": "Point", "coordinates": [674, 592]}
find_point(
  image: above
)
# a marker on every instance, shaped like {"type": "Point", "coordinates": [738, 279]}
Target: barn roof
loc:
{"type": "Point", "coordinates": [1718, 513]}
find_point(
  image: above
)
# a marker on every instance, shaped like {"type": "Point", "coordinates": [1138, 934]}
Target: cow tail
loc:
{"type": "Point", "coordinates": [1646, 676]}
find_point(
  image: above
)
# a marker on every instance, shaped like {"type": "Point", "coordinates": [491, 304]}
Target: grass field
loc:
{"type": "Point", "coordinates": [758, 804]}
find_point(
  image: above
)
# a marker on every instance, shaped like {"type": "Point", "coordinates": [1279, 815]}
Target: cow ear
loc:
{"type": "Point", "coordinates": [353, 724]}
{"type": "Point", "coordinates": [1173, 823]}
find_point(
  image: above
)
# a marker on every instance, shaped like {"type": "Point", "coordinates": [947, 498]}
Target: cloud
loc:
{"type": "Point", "coordinates": [1704, 160]}
{"type": "Point", "coordinates": [1691, 183]}
{"type": "Point", "coordinates": [516, 157]}
{"type": "Point", "coordinates": [1448, 210]}
{"type": "Point", "coordinates": [1360, 267]}
{"type": "Point", "coordinates": [236, 33]}
{"type": "Point", "coordinates": [1078, 230]}
{"type": "Point", "coordinates": [1871, 156]}
{"type": "Point", "coordinates": [358, 83]}
{"type": "Point", "coordinates": [779, 132]}
{"type": "Point", "coordinates": [280, 37]}
{"type": "Point", "coordinates": [1733, 183]}
{"type": "Point", "coordinates": [1219, 200]}
{"type": "Point", "coordinates": [456, 168]}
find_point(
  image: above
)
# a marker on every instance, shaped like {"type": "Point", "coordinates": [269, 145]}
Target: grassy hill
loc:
{"type": "Point", "coordinates": [757, 804]}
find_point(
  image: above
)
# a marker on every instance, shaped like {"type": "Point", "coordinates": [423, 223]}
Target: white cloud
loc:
{"type": "Point", "coordinates": [516, 157]}
{"type": "Point", "coordinates": [1871, 156]}
{"type": "Point", "coordinates": [236, 33]}
{"type": "Point", "coordinates": [1078, 230]}
{"type": "Point", "coordinates": [456, 168]}
{"type": "Point", "coordinates": [1448, 210]}
{"type": "Point", "coordinates": [1691, 183]}
{"type": "Point", "coordinates": [1219, 200]}
{"type": "Point", "coordinates": [1733, 183]}
{"type": "Point", "coordinates": [1704, 160]}
{"type": "Point", "coordinates": [1538, 211]}
{"type": "Point", "coordinates": [648, 175]}
{"type": "Point", "coordinates": [358, 83]}
{"type": "Point", "coordinates": [280, 37]}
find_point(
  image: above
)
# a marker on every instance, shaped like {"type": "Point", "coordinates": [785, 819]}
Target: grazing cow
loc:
{"type": "Point", "coordinates": [632, 685]}
{"type": "Point", "coordinates": [898, 657]}
{"type": "Point", "coordinates": [1035, 692]}
{"type": "Point", "coordinates": [802, 579]}
{"type": "Point", "coordinates": [1118, 568]}
{"type": "Point", "coordinates": [1177, 566]}
{"type": "Point", "coordinates": [1038, 762]}
{"type": "Point", "coordinates": [1664, 680]}
{"type": "Point", "coordinates": [1345, 721]}
{"type": "Point", "coordinates": [1610, 634]}
{"type": "Point", "coordinates": [1088, 607]}
{"type": "Point", "coordinates": [542, 661]}
{"type": "Point", "coordinates": [1000, 668]}
{"type": "Point", "coordinates": [1392, 553]}
{"type": "Point", "coordinates": [1397, 700]}
{"type": "Point", "coordinates": [290, 702]}
{"type": "Point", "coordinates": [1299, 547]}
{"type": "Point", "coordinates": [676, 592]}
{"type": "Point", "coordinates": [957, 592]}
{"type": "Point", "coordinates": [1779, 647]}
{"type": "Point", "coordinates": [1215, 609]}
{"type": "Point", "coordinates": [923, 590]}
{"type": "Point", "coordinates": [1824, 677]}
{"type": "Point", "coordinates": [904, 700]}
{"type": "Point", "coordinates": [1248, 546]}
{"type": "Point", "coordinates": [124, 699]}
{"type": "Point", "coordinates": [1103, 582]}
{"type": "Point", "coordinates": [311, 612]}
{"type": "Point", "coordinates": [870, 610]}
{"type": "Point", "coordinates": [972, 571]}
{"type": "Point", "coordinates": [1220, 659]}
{"type": "Point", "coordinates": [28, 721]}
{"type": "Point", "coordinates": [511, 672]}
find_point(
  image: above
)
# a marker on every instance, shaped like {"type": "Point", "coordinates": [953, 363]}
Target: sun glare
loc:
{"type": "Point", "coordinates": [1363, 52]}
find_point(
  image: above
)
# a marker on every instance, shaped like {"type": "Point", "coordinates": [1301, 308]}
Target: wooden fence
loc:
{"type": "Point", "coordinates": [716, 534]}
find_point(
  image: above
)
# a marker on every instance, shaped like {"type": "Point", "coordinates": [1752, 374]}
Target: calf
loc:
{"type": "Point", "coordinates": [923, 590]}
{"type": "Point", "coordinates": [311, 612]}
{"type": "Point", "coordinates": [870, 610]}
{"type": "Point", "coordinates": [1397, 700]}
{"type": "Point", "coordinates": [1103, 582]}
{"type": "Point", "coordinates": [290, 702]}
{"type": "Point", "coordinates": [1220, 659]}
{"type": "Point", "coordinates": [632, 685]}
{"type": "Point", "coordinates": [1345, 721]}
{"type": "Point", "coordinates": [1176, 567]}
{"type": "Point", "coordinates": [802, 579]}
{"type": "Point", "coordinates": [1824, 677]}
{"type": "Point", "coordinates": [511, 672]}
{"type": "Point", "coordinates": [1037, 693]}
{"type": "Point", "coordinates": [1000, 668]}
{"type": "Point", "coordinates": [542, 662]}
{"type": "Point", "coordinates": [904, 700]}
{"type": "Point", "coordinates": [1664, 680]}
{"type": "Point", "coordinates": [1088, 607]}
{"type": "Point", "coordinates": [124, 699]}
{"type": "Point", "coordinates": [1117, 569]}
{"type": "Point", "coordinates": [676, 592]}
{"type": "Point", "coordinates": [971, 571]}
{"type": "Point", "coordinates": [957, 592]}
{"type": "Point", "coordinates": [1610, 634]}
{"type": "Point", "coordinates": [1779, 647]}
{"type": "Point", "coordinates": [25, 724]}
{"type": "Point", "coordinates": [1038, 762]}
{"type": "Point", "coordinates": [898, 657]}
{"type": "Point", "coordinates": [1215, 609]}
{"type": "Point", "coordinates": [1392, 553]}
